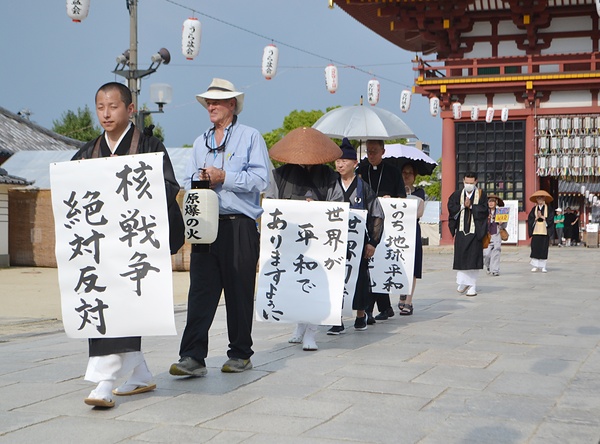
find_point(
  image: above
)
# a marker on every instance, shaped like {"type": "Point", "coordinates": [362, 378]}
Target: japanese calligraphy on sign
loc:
{"type": "Point", "coordinates": [357, 223]}
{"type": "Point", "coordinates": [303, 249]}
{"type": "Point", "coordinates": [112, 246]}
{"type": "Point", "coordinates": [391, 267]}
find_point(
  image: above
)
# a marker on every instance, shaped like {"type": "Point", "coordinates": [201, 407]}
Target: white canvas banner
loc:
{"type": "Point", "coordinates": [112, 246]}
{"type": "Point", "coordinates": [391, 267]}
{"type": "Point", "coordinates": [357, 225]}
{"type": "Point", "coordinates": [512, 225]}
{"type": "Point", "coordinates": [302, 261]}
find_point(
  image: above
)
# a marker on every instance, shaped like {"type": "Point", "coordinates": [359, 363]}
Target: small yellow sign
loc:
{"type": "Point", "coordinates": [502, 215]}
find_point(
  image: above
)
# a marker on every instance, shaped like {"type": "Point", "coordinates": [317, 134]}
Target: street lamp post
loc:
{"type": "Point", "coordinates": [129, 60]}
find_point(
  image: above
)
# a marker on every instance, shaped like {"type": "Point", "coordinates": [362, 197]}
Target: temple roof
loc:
{"type": "Point", "coordinates": [437, 26]}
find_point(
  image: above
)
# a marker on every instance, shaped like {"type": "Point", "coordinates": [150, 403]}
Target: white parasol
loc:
{"type": "Point", "coordinates": [363, 122]}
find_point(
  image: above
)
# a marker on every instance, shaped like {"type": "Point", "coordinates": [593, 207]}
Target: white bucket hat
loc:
{"type": "Point", "coordinates": [221, 89]}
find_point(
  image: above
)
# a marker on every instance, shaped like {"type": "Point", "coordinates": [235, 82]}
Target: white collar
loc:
{"type": "Point", "coordinates": [113, 149]}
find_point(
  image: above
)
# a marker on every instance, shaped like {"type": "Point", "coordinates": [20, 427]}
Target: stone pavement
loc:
{"type": "Point", "coordinates": [519, 363]}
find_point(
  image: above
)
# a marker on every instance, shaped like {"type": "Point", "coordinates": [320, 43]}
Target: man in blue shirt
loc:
{"type": "Point", "coordinates": [233, 158]}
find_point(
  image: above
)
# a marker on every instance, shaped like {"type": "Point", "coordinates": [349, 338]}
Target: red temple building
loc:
{"type": "Point", "coordinates": [533, 65]}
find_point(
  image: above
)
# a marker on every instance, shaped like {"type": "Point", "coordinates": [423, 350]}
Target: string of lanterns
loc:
{"type": "Point", "coordinates": [78, 10]}
{"type": "Point", "coordinates": [490, 112]}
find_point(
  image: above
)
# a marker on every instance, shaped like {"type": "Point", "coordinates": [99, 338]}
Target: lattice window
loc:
{"type": "Point", "coordinates": [496, 152]}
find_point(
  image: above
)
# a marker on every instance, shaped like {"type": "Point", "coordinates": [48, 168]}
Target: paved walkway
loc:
{"type": "Point", "coordinates": [519, 363]}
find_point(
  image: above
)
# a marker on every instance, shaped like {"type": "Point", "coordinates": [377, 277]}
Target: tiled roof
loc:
{"type": "Point", "coordinates": [7, 179]}
{"type": "Point", "coordinates": [19, 134]}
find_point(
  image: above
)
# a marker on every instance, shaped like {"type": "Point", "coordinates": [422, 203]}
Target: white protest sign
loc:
{"type": "Point", "coordinates": [391, 267]}
{"type": "Point", "coordinates": [302, 261]}
{"type": "Point", "coordinates": [112, 246]}
{"type": "Point", "coordinates": [357, 223]}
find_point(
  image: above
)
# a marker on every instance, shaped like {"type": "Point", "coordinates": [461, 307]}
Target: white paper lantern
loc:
{"type": "Point", "coordinates": [373, 92]}
{"type": "Point", "coordinates": [598, 6]}
{"type": "Point", "coordinates": [434, 106]}
{"type": "Point", "coordinates": [456, 110]}
{"type": "Point", "coordinates": [331, 78]}
{"type": "Point", "coordinates": [269, 61]}
{"type": "Point", "coordinates": [190, 38]}
{"type": "Point", "coordinates": [504, 114]}
{"type": "Point", "coordinates": [405, 97]}
{"type": "Point", "coordinates": [489, 115]}
{"type": "Point", "coordinates": [78, 10]}
{"type": "Point", "coordinates": [474, 113]}
{"type": "Point", "coordinates": [201, 215]}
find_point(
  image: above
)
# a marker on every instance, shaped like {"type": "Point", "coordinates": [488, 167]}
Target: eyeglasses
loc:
{"type": "Point", "coordinates": [221, 148]}
{"type": "Point", "coordinates": [211, 135]}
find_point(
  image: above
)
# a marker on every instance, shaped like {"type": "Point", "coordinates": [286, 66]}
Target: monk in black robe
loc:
{"type": "Point", "coordinates": [112, 358]}
{"type": "Point", "coordinates": [386, 181]}
{"type": "Point", "coordinates": [540, 227]}
{"type": "Point", "coordinates": [304, 177]}
{"type": "Point", "coordinates": [361, 197]}
{"type": "Point", "coordinates": [468, 213]}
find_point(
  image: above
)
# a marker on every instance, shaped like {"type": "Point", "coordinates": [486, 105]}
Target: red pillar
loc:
{"type": "Point", "coordinates": [448, 174]}
{"type": "Point", "coordinates": [531, 179]}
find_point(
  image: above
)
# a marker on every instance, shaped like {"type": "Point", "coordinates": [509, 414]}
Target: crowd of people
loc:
{"type": "Point", "coordinates": [233, 160]}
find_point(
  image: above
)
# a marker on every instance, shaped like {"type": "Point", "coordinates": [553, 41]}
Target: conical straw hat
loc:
{"type": "Point", "coordinates": [541, 193]}
{"type": "Point", "coordinates": [305, 146]}
{"type": "Point", "coordinates": [499, 200]}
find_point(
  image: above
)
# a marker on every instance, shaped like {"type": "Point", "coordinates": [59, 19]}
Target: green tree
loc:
{"type": "Point", "coordinates": [293, 120]}
{"type": "Point", "coordinates": [432, 184]}
{"type": "Point", "coordinates": [157, 130]}
{"type": "Point", "coordinates": [79, 126]}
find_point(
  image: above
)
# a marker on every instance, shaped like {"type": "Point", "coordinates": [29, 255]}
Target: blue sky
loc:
{"type": "Point", "coordinates": [51, 65]}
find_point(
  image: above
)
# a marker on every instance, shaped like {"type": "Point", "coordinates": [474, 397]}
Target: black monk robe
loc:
{"type": "Point", "coordinates": [145, 144]}
{"type": "Point", "coordinates": [468, 247]}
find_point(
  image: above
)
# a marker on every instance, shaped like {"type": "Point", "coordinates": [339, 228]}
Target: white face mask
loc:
{"type": "Point", "coordinates": [469, 187]}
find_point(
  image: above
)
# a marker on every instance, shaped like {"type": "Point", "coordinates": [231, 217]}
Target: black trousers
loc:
{"type": "Point", "coordinates": [110, 346]}
{"type": "Point", "coordinates": [228, 265]}
{"type": "Point", "coordinates": [383, 302]}
{"type": "Point", "coordinates": [363, 298]}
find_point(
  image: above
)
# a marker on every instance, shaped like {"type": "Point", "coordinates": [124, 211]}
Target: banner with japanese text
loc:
{"type": "Point", "coordinates": [391, 267]}
{"type": "Point", "coordinates": [357, 225]}
{"type": "Point", "coordinates": [303, 248]}
{"type": "Point", "coordinates": [112, 246]}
